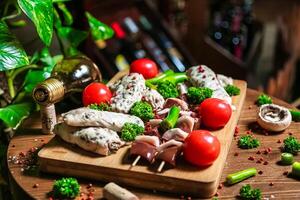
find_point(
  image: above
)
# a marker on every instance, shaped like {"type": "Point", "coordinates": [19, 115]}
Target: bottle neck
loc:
{"type": "Point", "coordinates": [48, 92]}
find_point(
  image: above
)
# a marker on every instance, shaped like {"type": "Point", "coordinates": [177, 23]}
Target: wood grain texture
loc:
{"type": "Point", "coordinates": [62, 158]}
{"type": "Point", "coordinates": [284, 187]}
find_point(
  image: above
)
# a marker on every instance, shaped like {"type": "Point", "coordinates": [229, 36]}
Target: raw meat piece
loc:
{"type": "Point", "coordinates": [95, 139]}
{"type": "Point", "coordinates": [89, 117]}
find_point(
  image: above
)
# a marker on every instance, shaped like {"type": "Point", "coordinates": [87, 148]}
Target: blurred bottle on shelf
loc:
{"type": "Point", "coordinates": [164, 42]}
{"type": "Point", "coordinates": [231, 26]}
{"type": "Point", "coordinates": [149, 44]}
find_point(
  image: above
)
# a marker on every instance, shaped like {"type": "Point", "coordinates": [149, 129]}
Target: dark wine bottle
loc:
{"type": "Point", "coordinates": [149, 44]}
{"type": "Point", "coordinates": [162, 40]}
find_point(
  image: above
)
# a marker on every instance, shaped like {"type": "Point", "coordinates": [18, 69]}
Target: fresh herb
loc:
{"type": "Point", "coordinates": [291, 145]}
{"type": "Point", "coordinates": [66, 188]}
{"type": "Point", "coordinates": [130, 131]}
{"type": "Point", "coordinates": [170, 121]}
{"type": "Point", "coordinates": [167, 89]}
{"type": "Point", "coordinates": [248, 142]}
{"type": "Point", "coordinates": [232, 90]}
{"type": "Point", "coordinates": [101, 106]}
{"type": "Point", "coordinates": [240, 176]}
{"type": "Point", "coordinates": [263, 99]}
{"type": "Point", "coordinates": [295, 115]}
{"type": "Point", "coordinates": [247, 193]}
{"type": "Point", "coordinates": [197, 95]}
{"type": "Point", "coordinates": [142, 110]}
{"type": "Point", "coordinates": [296, 169]}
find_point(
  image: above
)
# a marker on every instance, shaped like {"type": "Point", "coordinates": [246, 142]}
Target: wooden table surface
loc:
{"type": "Point", "coordinates": [30, 183]}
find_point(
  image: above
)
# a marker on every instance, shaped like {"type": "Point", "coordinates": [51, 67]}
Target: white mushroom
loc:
{"type": "Point", "coordinates": [273, 117]}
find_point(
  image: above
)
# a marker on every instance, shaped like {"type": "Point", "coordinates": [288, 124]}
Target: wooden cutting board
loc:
{"type": "Point", "coordinates": [69, 160]}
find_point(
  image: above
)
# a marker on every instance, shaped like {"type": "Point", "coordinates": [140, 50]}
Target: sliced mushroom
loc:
{"type": "Point", "coordinates": [273, 117]}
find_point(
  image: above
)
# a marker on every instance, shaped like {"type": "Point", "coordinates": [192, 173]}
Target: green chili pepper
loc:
{"type": "Point", "coordinates": [240, 176]}
{"type": "Point", "coordinates": [287, 158]}
{"type": "Point", "coordinates": [295, 115]}
{"type": "Point", "coordinates": [296, 169]}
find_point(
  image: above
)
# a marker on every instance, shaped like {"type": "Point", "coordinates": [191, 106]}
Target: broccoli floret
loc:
{"type": "Point", "coordinates": [232, 90]}
{"type": "Point", "coordinates": [170, 121]}
{"type": "Point", "coordinates": [142, 110]}
{"type": "Point", "coordinates": [130, 131]}
{"type": "Point", "coordinates": [66, 188]}
{"type": "Point", "coordinates": [167, 89]}
{"type": "Point", "coordinates": [101, 106]}
{"type": "Point", "coordinates": [291, 145]}
{"type": "Point", "coordinates": [263, 99]}
{"type": "Point", "coordinates": [197, 95]}
{"type": "Point", "coordinates": [248, 142]}
{"type": "Point", "coordinates": [247, 193]}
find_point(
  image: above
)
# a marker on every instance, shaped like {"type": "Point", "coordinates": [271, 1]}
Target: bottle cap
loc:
{"type": "Point", "coordinates": [48, 92]}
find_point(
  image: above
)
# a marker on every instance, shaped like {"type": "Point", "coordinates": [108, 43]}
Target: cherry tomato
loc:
{"type": "Point", "coordinates": [201, 148]}
{"type": "Point", "coordinates": [215, 113]}
{"type": "Point", "coordinates": [144, 66]}
{"type": "Point", "coordinates": [96, 93]}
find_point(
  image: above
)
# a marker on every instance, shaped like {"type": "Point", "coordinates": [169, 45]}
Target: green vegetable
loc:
{"type": "Point", "coordinates": [248, 142]}
{"type": "Point", "coordinates": [160, 77]}
{"type": "Point", "coordinates": [232, 90]}
{"type": "Point", "coordinates": [142, 110]}
{"type": "Point", "coordinates": [12, 54]}
{"type": "Point", "coordinates": [66, 188]}
{"type": "Point", "coordinates": [167, 89]}
{"type": "Point", "coordinates": [197, 95]}
{"type": "Point", "coordinates": [287, 158]}
{"type": "Point", "coordinates": [247, 193]}
{"type": "Point", "coordinates": [291, 145]}
{"type": "Point", "coordinates": [263, 99]}
{"type": "Point", "coordinates": [295, 115]}
{"type": "Point", "coordinates": [130, 131]}
{"type": "Point", "coordinates": [240, 176]}
{"type": "Point", "coordinates": [296, 169]}
{"type": "Point", "coordinates": [41, 14]}
{"type": "Point", "coordinates": [170, 121]}
{"type": "Point", "coordinates": [101, 106]}
{"type": "Point", "coordinates": [169, 76]}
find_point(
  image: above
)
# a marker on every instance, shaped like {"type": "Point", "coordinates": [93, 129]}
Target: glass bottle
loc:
{"type": "Point", "coordinates": [72, 74]}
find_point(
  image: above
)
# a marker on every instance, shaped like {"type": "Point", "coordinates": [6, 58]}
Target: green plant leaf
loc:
{"type": "Point", "coordinates": [99, 30]}
{"type": "Point", "coordinates": [57, 1]}
{"type": "Point", "coordinates": [12, 55]}
{"type": "Point", "coordinates": [13, 115]}
{"type": "Point", "coordinates": [74, 36]}
{"type": "Point", "coordinates": [41, 14]}
{"type": "Point", "coordinates": [33, 77]}
{"type": "Point", "coordinates": [68, 18]}
{"type": "Point", "coordinates": [70, 39]}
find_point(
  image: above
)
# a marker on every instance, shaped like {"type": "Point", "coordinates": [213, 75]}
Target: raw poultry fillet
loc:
{"type": "Point", "coordinates": [95, 139]}
{"type": "Point", "coordinates": [127, 91]}
{"type": "Point", "coordinates": [90, 117]}
{"type": "Point", "coordinates": [203, 76]}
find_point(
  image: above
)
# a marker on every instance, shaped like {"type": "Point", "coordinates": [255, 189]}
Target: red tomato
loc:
{"type": "Point", "coordinates": [144, 66]}
{"type": "Point", "coordinates": [215, 113]}
{"type": "Point", "coordinates": [201, 148]}
{"type": "Point", "coordinates": [96, 93]}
